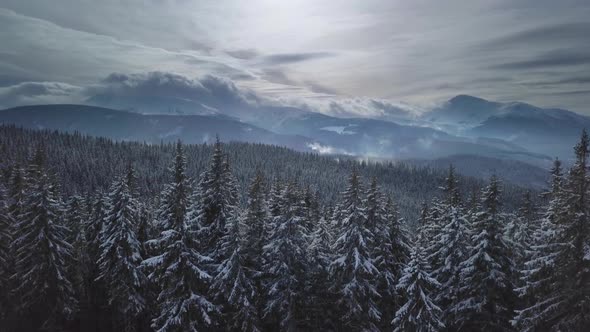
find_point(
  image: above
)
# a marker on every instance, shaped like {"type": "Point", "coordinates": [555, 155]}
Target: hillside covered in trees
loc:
{"type": "Point", "coordinates": [97, 235]}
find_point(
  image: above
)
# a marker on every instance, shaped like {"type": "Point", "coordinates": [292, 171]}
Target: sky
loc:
{"type": "Point", "coordinates": [411, 53]}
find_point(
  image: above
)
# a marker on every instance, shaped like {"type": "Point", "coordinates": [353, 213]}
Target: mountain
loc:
{"type": "Point", "coordinates": [303, 131]}
{"type": "Point", "coordinates": [549, 131]}
{"type": "Point", "coordinates": [152, 128]}
{"type": "Point", "coordinates": [462, 110]}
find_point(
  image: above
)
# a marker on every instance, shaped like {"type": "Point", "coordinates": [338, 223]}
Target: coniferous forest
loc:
{"type": "Point", "coordinates": [97, 235]}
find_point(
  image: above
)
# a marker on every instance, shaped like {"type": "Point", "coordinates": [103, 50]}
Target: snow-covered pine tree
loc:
{"type": "Point", "coordinates": [382, 253]}
{"type": "Point", "coordinates": [45, 293]}
{"type": "Point", "coordinates": [538, 272]}
{"type": "Point", "coordinates": [320, 300]}
{"type": "Point", "coordinates": [232, 284]}
{"type": "Point", "coordinates": [255, 225]}
{"type": "Point", "coordinates": [312, 206]}
{"type": "Point", "coordinates": [5, 255]}
{"type": "Point", "coordinates": [16, 203]}
{"type": "Point", "coordinates": [177, 268]}
{"type": "Point", "coordinates": [285, 263]}
{"type": "Point", "coordinates": [452, 249]}
{"type": "Point", "coordinates": [120, 256]}
{"type": "Point", "coordinates": [400, 248]}
{"type": "Point", "coordinates": [566, 304]}
{"type": "Point", "coordinates": [216, 203]}
{"type": "Point", "coordinates": [448, 248]}
{"type": "Point", "coordinates": [521, 228]}
{"type": "Point", "coordinates": [487, 291]}
{"type": "Point", "coordinates": [96, 289]}
{"type": "Point", "coordinates": [74, 219]}
{"type": "Point", "coordinates": [419, 313]}
{"type": "Point", "coordinates": [353, 271]}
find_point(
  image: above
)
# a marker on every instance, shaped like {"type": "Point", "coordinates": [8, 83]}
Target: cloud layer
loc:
{"type": "Point", "coordinates": [334, 51]}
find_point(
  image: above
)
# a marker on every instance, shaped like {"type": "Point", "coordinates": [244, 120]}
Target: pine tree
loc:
{"type": "Point", "coordinates": [454, 241]}
{"type": "Point", "coordinates": [217, 202]}
{"type": "Point", "coordinates": [419, 312]}
{"type": "Point", "coordinates": [448, 248]}
{"type": "Point", "coordinates": [320, 300]}
{"type": "Point", "coordinates": [177, 268]}
{"type": "Point", "coordinates": [96, 289]}
{"type": "Point", "coordinates": [390, 250]}
{"type": "Point", "coordinates": [120, 256]}
{"type": "Point", "coordinates": [233, 284]}
{"type": "Point", "coordinates": [285, 261]}
{"type": "Point", "coordinates": [487, 295]}
{"type": "Point", "coordinates": [537, 273]}
{"type": "Point", "coordinates": [565, 305]}
{"type": "Point", "coordinates": [521, 228]}
{"type": "Point", "coordinates": [42, 257]}
{"type": "Point", "coordinates": [255, 224]}
{"type": "Point", "coordinates": [16, 203]}
{"type": "Point", "coordinates": [5, 259]}
{"type": "Point", "coordinates": [353, 269]}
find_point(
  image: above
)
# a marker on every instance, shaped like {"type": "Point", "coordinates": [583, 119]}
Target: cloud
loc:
{"type": "Point", "coordinates": [246, 54]}
{"type": "Point", "coordinates": [558, 58]}
{"type": "Point", "coordinates": [29, 93]}
{"type": "Point", "coordinates": [158, 91]}
{"type": "Point", "coordinates": [289, 58]}
{"type": "Point", "coordinates": [544, 34]}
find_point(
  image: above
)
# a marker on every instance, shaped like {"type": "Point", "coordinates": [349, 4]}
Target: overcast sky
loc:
{"type": "Point", "coordinates": [418, 52]}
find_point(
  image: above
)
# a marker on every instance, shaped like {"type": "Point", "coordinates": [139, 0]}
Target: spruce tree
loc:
{"type": "Point", "coordinates": [419, 312]}
{"type": "Point", "coordinates": [320, 300]}
{"type": "Point", "coordinates": [255, 226]}
{"type": "Point", "coordinates": [448, 248]}
{"type": "Point", "coordinates": [120, 256]}
{"type": "Point", "coordinates": [233, 284]}
{"type": "Point", "coordinates": [177, 267]}
{"type": "Point", "coordinates": [353, 270]}
{"type": "Point", "coordinates": [43, 287]}
{"type": "Point", "coordinates": [389, 250]}
{"type": "Point", "coordinates": [487, 290]}
{"type": "Point", "coordinates": [217, 202]}
{"type": "Point", "coordinates": [5, 255]}
{"type": "Point", "coordinates": [285, 263]}
{"type": "Point", "coordinates": [538, 271]}
{"type": "Point", "coordinates": [565, 304]}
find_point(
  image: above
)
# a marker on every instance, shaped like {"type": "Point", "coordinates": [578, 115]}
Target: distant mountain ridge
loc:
{"type": "Point", "coordinates": [302, 131]}
{"type": "Point", "coordinates": [152, 128]}
{"type": "Point", "coordinates": [550, 131]}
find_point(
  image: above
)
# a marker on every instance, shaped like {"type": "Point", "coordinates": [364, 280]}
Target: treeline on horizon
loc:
{"type": "Point", "coordinates": [196, 258]}
{"type": "Point", "coordinates": [84, 164]}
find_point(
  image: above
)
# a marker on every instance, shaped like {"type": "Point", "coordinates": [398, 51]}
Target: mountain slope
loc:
{"type": "Point", "coordinates": [303, 131]}
{"type": "Point", "coordinates": [153, 128]}
{"type": "Point", "coordinates": [542, 130]}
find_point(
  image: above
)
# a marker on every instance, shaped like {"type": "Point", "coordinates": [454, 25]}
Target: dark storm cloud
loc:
{"type": "Point", "coordinates": [287, 58]}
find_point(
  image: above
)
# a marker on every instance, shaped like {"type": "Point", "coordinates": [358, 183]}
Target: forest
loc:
{"type": "Point", "coordinates": [97, 235]}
